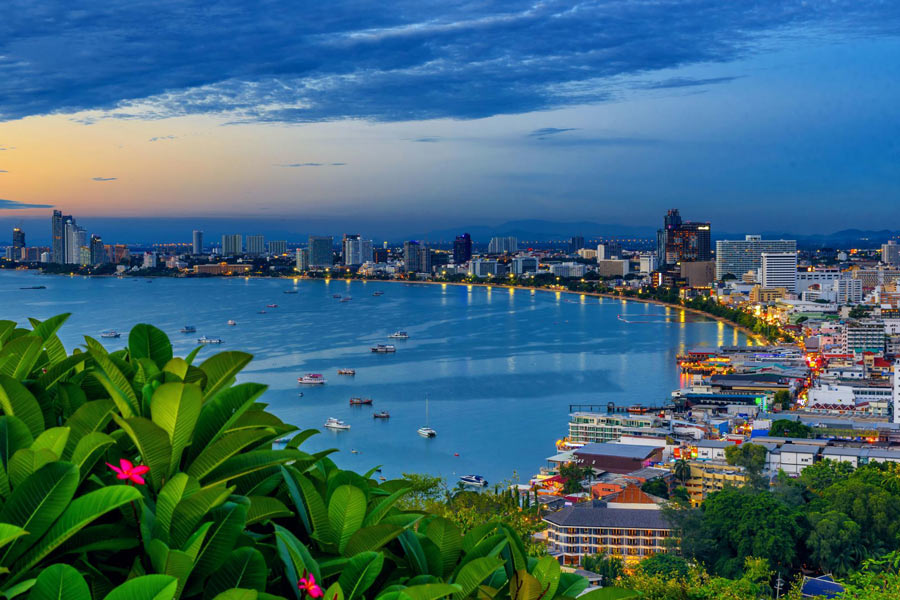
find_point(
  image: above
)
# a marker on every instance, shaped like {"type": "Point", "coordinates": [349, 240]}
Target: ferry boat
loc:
{"type": "Point", "coordinates": [378, 293]}
{"type": "Point", "coordinates": [312, 379]}
{"type": "Point", "coordinates": [384, 348]}
{"type": "Point", "coordinates": [346, 299]}
{"type": "Point", "coordinates": [188, 329]}
{"type": "Point", "coordinates": [232, 322]}
{"type": "Point", "coordinates": [399, 335]}
{"type": "Point", "coordinates": [112, 333]}
{"type": "Point", "coordinates": [360, 401]}
{"type": "Point", "coordinates": [271, 306]}
{"type": "Point", "coordinates": [473, 480]}
{"type": "Point", "coordinates": [209, 340]}
{"type": "Point", "coordinates": [346, 371]}
{"type": "Point", "coordinates": [289, 292]}
{"type": "Point", "coordinates": [336, 424]}
{"type": "Point", "coordinates": [381, 415]}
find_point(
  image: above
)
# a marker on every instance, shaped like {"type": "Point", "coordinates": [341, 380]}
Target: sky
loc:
{"type": "Point", "coordinates": [393, 118]}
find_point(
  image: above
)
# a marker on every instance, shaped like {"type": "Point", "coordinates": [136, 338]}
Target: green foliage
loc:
{"type": "Point", "coordinates": [668, 566]}
{"type": "Point", "coordinates": [782, 400]}
{"type": "Point", "coordinates": [752, 457]}
{"type": "Point", "coordinates": [610, 567]}
{"type": "Point", "coordinates": [789, 428]}
{"type": "Point", "coordinates": [656, 487]}
{"type": "Point", "coordinates": [574, 474]}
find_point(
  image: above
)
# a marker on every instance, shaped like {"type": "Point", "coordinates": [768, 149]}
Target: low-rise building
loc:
{"type": "Point", "coordinates": [589, 428]}
{"type": "Point", "coordinates": [617, 458]}
{"type": "Point", "coordinates": [708, 477]}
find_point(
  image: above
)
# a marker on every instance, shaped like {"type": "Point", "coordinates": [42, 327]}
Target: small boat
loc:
{"type": "Point", "coordinates": [271, 306]}
{"type": "Point", "coordinates": [381, 415]}
{"type": "Point", "coordinates": [378, 293]}
{"type": "Point", "coordinates": [300, 395]}
{"type": "Point", "coordinates": [335, 295]}
{"type": "Point", "coordinates": [399, 335]}
{"type": "Point", "coordinates": [260, 312]}
{"type": "Point", "coordinates": [354, 451]}
{"type": "Point", "coordinates": [188, 329]}
{"type": "Point", "coordinates": [637, 409]}
{"type": "Point", "coordinates": [312, 379]}
{"type": "Point", "coordinates": [360, 401]}
{"type": "Point", "coordinates": [346, 371]}
{"type": "Point", "coordinates": [426, 431]}
{"type": "Point", "coordinates": [336, 424]}
{"type": "Point", "coordinates": [383, 348]}
{"type": "Point", "coordinates": [34, 287]}
{"type": "Point", "coordinates": [382, 478]}
{"type": "Point", "coordinates": [346, 299]}
{"type": "Point", "coordinates": [209, 340]}
{"type": "Point", "coordinates": [289, 292]}
{"type": "Point", "coordinates": [473, 480]}
{"type": "Point", "coordinates": [232, 322]}
{"type": "Point", "coordinates": [112, 333]}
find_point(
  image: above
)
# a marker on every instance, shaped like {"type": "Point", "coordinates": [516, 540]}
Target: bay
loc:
{"type": "Point", "coordinates": [500, 367]}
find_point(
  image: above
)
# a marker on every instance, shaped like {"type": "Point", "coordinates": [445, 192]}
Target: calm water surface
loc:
{"type": "Point", "coordinates": [500, 367]}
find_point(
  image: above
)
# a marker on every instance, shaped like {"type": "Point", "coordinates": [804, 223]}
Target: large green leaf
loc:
{"type": "Point", "coordinates": [360, 573]}
{"type": "Point", "coordinates": [221, 370]}
{"type": "Point", "coordinates": [47, 332]}
{"type": "Point", "coordinates": [238, 594]}
{"type": "Point", "coordinates": [221, 412]}
{"type": "Point", "coordinates": [166, 561]}
{"type": "Point", "coordinates": [80, 513]}
{"type": "Point", "coordinates": [523, 586]}
{"type": "Point", "coordinates": [384, 505]}
{"type": "Point", "coordinates": [244, 568]}
{"type": "Point", "coordinates": [17, 401]}
{"type": "Point", "coordinates": [146, 341]}
{"type": "Point", "coordinates": [295, 557]}
{"type": "Point", "coordinates": [547, 572]}
{"type": "Point", "coordinates": [346, 512]}
{"type": "Point", "coordinates": [54, 440]}
{"type": "Point", "coordinates": [36, 503]}
{"type": "Point", "coordinates": [60, 369]}
{"type": "Point", "coordinates": [176, 489]}
{"type": "Point", "coordinates": [431, 591]}
{"type": "Point", "coordinates": [9, 532]}
{"type": "Point", "coordinates": [176, 369]}
{"type": "Point", "coordinates": [152, 443]}
{"type": "Point", "coordinates": [146, 587]}
{"type": "Point", "coordinates": [175, 407]}
{"type": "Point", "coordinates": [88, 451]}
{"type": "Point", "coordinates": [473, 573]}
{"type": "Point", "coordinates": [192, 509]}
{"type": "Point", "coordinates": [224, 448]}
{"type": "Point", "coordinates": [26, 461]}
{"type": "Point", "coordinates": [571, 585]}
{"type": "Point", "coordinates": [6, 329]}
{"type": "Point", "coordinates": [448, 540]}
{"type": "Point", "coordinates": [250, 462]}
{"type": "Point", "coordinates": [609, 593]}
{"type": "Point", "coordinates": [58, 582]}
{"type": "Point", "coordinates": [228, 523]}
{"type": "Point", "coordinates": [263, 508]}
{"type": "Point", "coordinates": [116, 384]}
{"type": "Point", "coordinates": [17, 357]}
{"type": "Point", "coordinates": [89, 417]}
{"type": "Point", "coordinates": [14, 435]}
{"type": "Point", "coordinates": [371, 538]}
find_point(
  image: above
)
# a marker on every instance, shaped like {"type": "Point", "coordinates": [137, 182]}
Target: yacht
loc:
{"type": "Point", "coordinates": [384, 348]}
{"type": "Point", "coordinates": [232, 322]}
{"type": "Point", "coordinates": [473, 480]}
{"type": "Point", "coordinates": [381, 415]}
{"type": "Point", "coordinates": [208, 340]}
{"type": "Point", "coordinates": [188, 329]}
{"type": "Point", "coordinates": [312, 379]}
{"type": "Point", "coordinates": [34, 287]}
{"type": "Point", "coordinates": [426, 431]}
{"type": "Point", "coordinates": [336, 424]}
{"type": "Point", "coordinates": [346, 371]}
{"type": "Point", "coordinates": [112, 333]}
{"type": "Point", "coordinates": [399, 335]}
{"type": "Point", "coordinates": [360, 401]}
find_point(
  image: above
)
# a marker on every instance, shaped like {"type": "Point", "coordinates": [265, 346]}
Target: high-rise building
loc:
{"type": "Point", "coordinates": [525, 264]}
{"type": "Point", "coordinates": [149, 260]}
{"type": "Point", "coordinates": [462, 249]}
{"type": "Point", "coordinates": [356, 250]}
{"type": "Point", "coordinates": [681, 241]}
{"type": "Point", "coordinates": [98, 252]}
{"type": "Point", "coordinates": [302, 260]}
{"type": "Point", "coordinates": [58, 237]}
{"type": "Point", "coordinates": [232, 244]}
{"type": "Point", "coordinates": [18, 238]}
{"type": "Point", "coordinates": [256, 245]}
{"type": "Point", "coordinates": [197, 245]}
{"type": "Point", "coordinates": [75, 238]}
{"type": "Point", "coordinates": [779, 269]}
{"type": "Point", "coordinates": [737, 257]}
{"type": "Point", "coordinates": [890, 253]}
{"type": "Point", "coordinates": [503, 245]}
{"type": "Point", "coordinates": [117, 253]}
{"type": "Point", "coordinates": [576, 244]}
{"type": "Point", "coordinates": [278, 247]}
{"type": "Point", "coordinates": [416, 257]}
{"type": "Point", "coordinates": [379, 255]}
{"type": "Point", "coordinates": [648, 263]}
{"type": "Point", "coordinates": [671, 222]}
{"type": "Point", "coordinates": [321, 252]}
{"type": "Point", "coordinates": [609, 250]}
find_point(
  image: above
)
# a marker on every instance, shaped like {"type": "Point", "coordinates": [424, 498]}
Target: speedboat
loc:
{"type": "Point", "coordinates": [209, 340]}
{"type": "Point", "coordinates": [399, 335]}
{"type": "Point", "coordinates": [336, 424]}
{"type": "Point", "coordinates": [384, 348]}
{"type": "Point", "coordinates": [346, 371]}
{"type": "Point", "coordinates": [312, 379]}
{"type": "Point", "coordinates": [112, 333]}
{"type": "Point", "coordinates": [427, 432]}
{"type": "Point", "coordinates": [271, 306]}
{"type": "Point", "coordinates": [473, 480]}
{"type": "Point", "coordinates": [360, 401]}
{"type": "Point", "coordinates": [381, 415]}
{"type": "Point", "coordinates": [188, 329]}
{"type": "Point", "coordinates": [232, 322]}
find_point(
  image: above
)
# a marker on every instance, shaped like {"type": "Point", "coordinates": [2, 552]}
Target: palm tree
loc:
{"type": "Point", "coordinates": [682, 470]}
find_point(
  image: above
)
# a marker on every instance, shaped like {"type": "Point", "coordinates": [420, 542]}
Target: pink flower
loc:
{"type": "Point", "coordinates": [308, 584]}
{"type": "Point", "coordinates": [126, 470]}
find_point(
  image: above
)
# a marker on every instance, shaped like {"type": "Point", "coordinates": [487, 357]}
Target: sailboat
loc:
{"type": "Point", "coordinates": [427, 432]}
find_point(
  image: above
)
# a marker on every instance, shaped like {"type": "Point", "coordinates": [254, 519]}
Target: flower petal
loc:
{"type": "Point", "coordinates": [140, 469]}
{"type": "Point", "coordinates": [137, 479]}
{"type": "Point", "coordinates": [126, 464]}
{"type": "Point", "coordinates": [115, 469]}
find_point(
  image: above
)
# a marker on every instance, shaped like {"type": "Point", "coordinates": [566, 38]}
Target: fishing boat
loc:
{"type": "Point", "coordinates": [336, 424]}
{"type": "Point", "coordinates": [381, 415]}
{"type": "Point", "coordinates": [426, 431]}
{"type": "Point", "coordinates": [383, 348]}
{"type": "Point", "coordinates": [232, 322]}
{"type": "Point", "coordinates": [111, 333]}
{"type": "Point", "coordinates": [477, 480]}
{"type": "Point", "coordinates": [188, 329]}
{"type": "Point", "coordinates": [360, 401]}
{"type": "Point", "coordinates": [346, 371]}
{"type": "Point", "coordinates": [209, 340]}
{"type": "Point", "coordinates": [271, 306]}
{"type": "Point", "coordinates": [399, 335]}
{"type": "Point", "coordinates": [312, 379]}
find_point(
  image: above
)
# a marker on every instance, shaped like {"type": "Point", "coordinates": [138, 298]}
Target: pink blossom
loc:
{"type": "Point", "coordinates": [127, 471]}
{"type": "Point", "coordinates": [308, 584]}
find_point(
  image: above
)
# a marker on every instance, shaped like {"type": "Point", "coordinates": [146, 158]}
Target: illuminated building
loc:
{"type": "Point", "coordinates": [232, 244]}
{"type": "Point", "coordinates": [779, 269]}
{"type": "Point", "coordinates": [503, 245]}
{"type": "Point", "coordinates": [321, 252]}
{"type": "Point", "coordinates": [462, 249]}
{"type": "Point", "coordinates": [256, 245]}
{"type": "Point", "coordinates": [737, 257]}
{"type": "Point", "coordinates": [197, 242]}
{"type": "Point", "coordinates": [278, 247]}
{"type": "Point", "coordinates": [221, 269]}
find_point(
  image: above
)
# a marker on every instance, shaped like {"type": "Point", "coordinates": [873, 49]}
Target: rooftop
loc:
{"type": "Point", "coordinates": [597, 514]}
{"type": "Point", "coordinates": [621, 450]}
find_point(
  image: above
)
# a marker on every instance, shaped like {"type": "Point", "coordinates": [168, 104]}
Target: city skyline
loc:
{"type": "Point", "coordinates": [362, 115]}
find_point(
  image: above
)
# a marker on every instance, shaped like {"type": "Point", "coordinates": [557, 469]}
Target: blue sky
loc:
{"type": "Point", "coordinates": [779, 114]}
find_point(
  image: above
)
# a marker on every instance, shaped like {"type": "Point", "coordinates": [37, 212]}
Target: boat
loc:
{"type": "Point", "coordinates": [473, 480]}
{"type": "Point", "coordinates": [232, 322]}
{"type": "Point", "coordinates": [34, 287]}
{"type": "Point", "coordinates": [399, 335]}
{"type": "Point", "coordinates": [188, 329]}
{"type": "Point", "coordinates": [383, 348]}
{"type": "Point", "coordinates": [271, 306]}
{"type": "Point", "coordinates": [300, 395]}
{"type": "Point", "coordinates": [260, 312]}
{"type": "Point", "coordinates": [335, 295]}
{"type": "Point", "coordinates": [346, 371]}
{"type": "Point", "coordinates": [346, 299]}
{"type": "Point", "coordinates": [381, 415]}
{"type": "Point", "coordinates": [637, 409]}
{"type": "Point", "coordinates": [426, 431]}
{"type": "Point", "coordinates": [378, 293]}
{"type": "Point", "coordinates": [208, 340]}
{"type": "Point", "coordinates": [289, 292]}
{"type": "Point", "coordinates": [312, 379]}
{"type": "Point", "coordinates": [112, 333]}
{"type": "Point", "coordinates": [360, 401]}
{"type": "Point", "coordinates": [336, 424]}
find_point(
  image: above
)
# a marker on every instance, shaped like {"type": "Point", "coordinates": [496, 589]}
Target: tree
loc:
{"type": "Point", "coordinates": [574, 474]}
{"type": "Point", "coordinates": [656, 487]}
{"type": "Point", "coordinates": [609, 567]}
{"type": "Point", "coordinates": [834, 542]}
{"type": "Point", "coordinates": [666, 565]}
{"type": "Point", "coordinates": [682, 470]}
{"type": "Point", "coordinates": [752, 457]}
{"type": "Point", "coordinates": [825, 473]}
{"type": "Point", "coordinates": [681, 495]}
{"type": "Point", "coordinates": [784, 401]}
{"type": "Point", "coordinates": [423, 489]}
{"type": "Point", "coordinates": [791, 429]}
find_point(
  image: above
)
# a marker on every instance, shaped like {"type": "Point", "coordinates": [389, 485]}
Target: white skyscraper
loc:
{"type": "Point", "coordinates": [501, 245]}
{"type": "Point", "coordinates": [75, 238]}
{"type": "Point", "coordinates": [232, 244]}
{"type": "Point", "coordinates": [278, 247]}
{"type": "Point", "coordinates": [256, 245]}
{"type": "Point", "coordinates": [197, 245]}
{"type": "Point", "coordinates": [302, 261]}
{"type": "Point", "coordinates": [739, 256]}
{"type": "Point", "coordinates": [779, 269]}
{"type": "Point", "coordinates": [608, 251]}
{"type": "Point", "coordinates": [890, 253]}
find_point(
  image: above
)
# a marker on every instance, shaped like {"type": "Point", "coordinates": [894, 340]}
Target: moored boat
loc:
{"type": "Point", "coordinates": [427, 432]}
{"type": "Point", "coordinates": [34, 287]}
{"type": "Point", "coordinates": [232, 322]}
{"type": "Point", "coordinates": [473, 480]}
{"type": "Point", "coordinates": [381, 415]}
{"type": "Point", "coordinates": [346, 371]}
{"type": "Point", "coordinates": [360, 401]}
{"type": "Point", "coordinates": [335, 295]}
{"type": "Point", "coordinates": [209, 340]}
{"type": "Point", "coordinates": [271, 306]}
{"type": "Point", "coordinates": [637, 409]}
{"type": "Point", "coordinates": [383, 348]}
{"type": "Point", "coordinates": [290, 291]}
{"type": "Point", "coordinates": [346, 299]}
{"type": "Point", "coordinates": [378, 293]}
{"type": "Point", "coordinates": [110, 333]}
{"type": "Point", "coordinates": [399, 335]}
{"type": "Point", "coordinates": [188, 329]}
{"type": "Point", "coordinates": [312, 379]}
{"type": "Point", "coordinates": [336, 424]}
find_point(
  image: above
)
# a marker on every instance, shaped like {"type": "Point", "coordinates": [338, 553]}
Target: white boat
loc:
{"type": "Point", "coordinates": [188, 329]}
{"type": "Point", "coordinates": [473, 480]}
{"type": "Point", "coordinates": [112, 333]}
{"type": "Point", "coordinates": [312, 379]}
{"type": "Point", "coordinates": [336, 424]}
{"type": "Point", "coordinates": [426, 431]}
{"type": "Point", "coordinates": [232, 322]}
{"type": "Point", "coordinates": [384, 348]}
{"type": "Point", "coordinates": [399, 335]}
{"type": "Point", "coordinates": [208, 340]}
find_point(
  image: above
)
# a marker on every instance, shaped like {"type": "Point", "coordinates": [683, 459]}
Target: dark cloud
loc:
{"type": "Point", "coordinates": [104, 178]}
{"type": "Point", "coordinates": [3, 171]}
{"type": "Point", "coordinates": [162, 137]}
{"type": "Point", "coordinates": [299, 61]}
{"type": "Point", "coordinates": [306, 164]}
{"type": "Point", "coordinates": [13, 205]}
{"type": "Point", "coordinates": [545, 131]}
